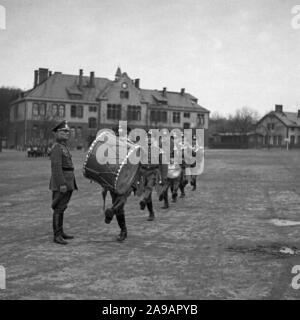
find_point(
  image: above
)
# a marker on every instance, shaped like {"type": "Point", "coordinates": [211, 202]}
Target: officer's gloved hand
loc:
{"type": "Point", "coordinates": [63, 189]}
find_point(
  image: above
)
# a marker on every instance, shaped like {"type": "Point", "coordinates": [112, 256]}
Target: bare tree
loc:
{"type": "Point", "coordinates": [244, 120]}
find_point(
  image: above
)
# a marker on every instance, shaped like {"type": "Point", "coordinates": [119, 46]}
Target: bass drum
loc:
{"type": "Point", "coordinates": [118, 173]}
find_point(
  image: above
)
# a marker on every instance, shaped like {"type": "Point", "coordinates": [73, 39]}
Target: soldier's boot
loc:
{"type": "Point", "coordinates": [109, 214]}
{"type": "Point", "coordinates": [151, 212]}
{"type": "Point", "coordinates": [142, 204]}
{"type": "Point", "coordinates": [57, 229]}
{"type": "Point", "coordinates": [166, 202]}
{"type": "Point", "coordinates": [193, 184]}
{"type": "Point", "coordinates": [64, 235]}
{"type": "Point", "coordinates": [182, 194]}
{"type": "Point", "coordinates": [122, 224]}
{"type": "Point", "coordinates": [174, 197]}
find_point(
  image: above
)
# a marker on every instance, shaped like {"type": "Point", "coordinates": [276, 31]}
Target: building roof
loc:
{"type": "Point", "coordinates": [59, 86]}
{"type": "Point", "coordinates": [173, 99]}
{"type": "Point", "coordinates": [289, 119]}
{"type": "Point", "coordinates": [62, 86]}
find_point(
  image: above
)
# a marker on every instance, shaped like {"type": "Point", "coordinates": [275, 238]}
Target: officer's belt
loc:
{"type": "Point", "coordinates": [68, 169]}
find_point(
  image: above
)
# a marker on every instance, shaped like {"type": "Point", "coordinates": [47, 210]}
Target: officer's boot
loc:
{"type": "Point", "coordinates": [57, 229]}
{"type": "Point", "coordinates": [64, 236]}
{"type": "Point", "coordinates": [151, 212]}
{"type": "Point", "coordinates": [122, 224]}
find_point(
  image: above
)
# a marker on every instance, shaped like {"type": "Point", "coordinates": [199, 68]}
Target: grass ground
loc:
{"type": "Point", "coordinates": [216, 243]}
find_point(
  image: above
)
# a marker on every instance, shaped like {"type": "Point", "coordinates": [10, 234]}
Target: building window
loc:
{"type": "Point", "coordinates": [275, 141]}
{"type": "Point", "coordinates": [134, 113]}
{"type": "Point", "coordinates": [35, 109]}
{"type": "Point", "coordinates": [16, 111]}
{"type": "Point", "coordinates": [271, 126]}
{"type": "Point", "coordinates": [79, 132]}
{"type": "Point", "coordinates": [124, 94]}
{"type": "Point", "coordinates": [186, 114]}
{"type": "Point", "coordinates": [114, 111]}
{"type": "Point", "coordinates": [73, 111]}
{"type": "Point", "coordinates": [73, 132]}
{"type": "Point", "coordinates": [92, 108]}
{"type": "Point", "coordinates": [62, 111]}
{"type": "Point", "coordinates": [79, 111]}
{"type": "Point", "coordinates": [158, 116]}
{"type": "Point", "coordinates": [176, 117]}
{"type": "Point", "coordinates": [186, 125]}
{"type": "Point", "coordinates": [42, 109]}
{"type": "Point", "coordinates": [76, 111]}
{"type": "Point", "coordinates": [92, 123]}
{"type": "Point", "coordinates": [54, 110]}
{"type": "Point", "coordinates": [279, 140]}
{"type": "Point", "coordinates": [292, 139]}
{"type": "Point", "coordinates": [200, 119]}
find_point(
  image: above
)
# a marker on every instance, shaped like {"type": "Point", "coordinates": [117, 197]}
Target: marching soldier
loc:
{"type": "Point", "coordinates": [149, 174]}
{"type": "Point", "coordinates": [118, 201]}
{"type": "Point", "coordinates": [62, 181]}
{"type": "Point", "coordinates": [194, 177]}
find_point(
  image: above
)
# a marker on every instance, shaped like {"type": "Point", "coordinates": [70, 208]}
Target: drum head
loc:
{"type": "Point", "coordinates": [174, 171]}
{"type": "Point", "coordinates": [126, 177]}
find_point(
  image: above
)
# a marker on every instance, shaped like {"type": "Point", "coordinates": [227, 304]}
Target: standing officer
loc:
{"type": "Point", "coordinates": [62, 181]}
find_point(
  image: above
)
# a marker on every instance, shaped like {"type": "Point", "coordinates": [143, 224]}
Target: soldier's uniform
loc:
{"type": "Point", "coordinates": [148, 177]}
{"type": "Point", "coordinates": [183, 180]}
{"type": "Point", "coordinates": [118, 204]}
{"type": "Point", "coordinates": [62, 174]}
{"type": "Point", "coordinates": [171, 183]}
{"type": "Point", "coordinates": [194, 177]}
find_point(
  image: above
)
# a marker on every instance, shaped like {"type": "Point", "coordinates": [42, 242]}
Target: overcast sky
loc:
{"type": "Point", "coordinates": [228, 53]}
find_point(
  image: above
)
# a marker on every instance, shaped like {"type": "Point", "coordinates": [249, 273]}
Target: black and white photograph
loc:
{"type": "Point", "coordinates": [149, 151]}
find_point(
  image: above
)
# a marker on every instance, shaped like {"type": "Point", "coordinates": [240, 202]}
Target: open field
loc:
{"type": "Point", "coordinates": [217, 243]}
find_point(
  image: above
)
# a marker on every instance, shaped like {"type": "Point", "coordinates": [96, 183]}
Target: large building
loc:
{"type": "Point", "coordinates": [90, 103]}
{"type": "Point", "coordinates": [279, 128]}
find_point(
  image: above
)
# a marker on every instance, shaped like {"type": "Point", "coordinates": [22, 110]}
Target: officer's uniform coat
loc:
{"type": "Point", "coordinates": [61, 168]}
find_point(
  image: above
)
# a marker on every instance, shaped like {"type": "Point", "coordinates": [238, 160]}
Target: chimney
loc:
{"type": "Point", "coordinates": [164, 91]}
{"type": "Point", "coordinates": [36, 78]}
{"type": "Point", "coordinates": [298, 113]}
{"type": "Point", "coordinates": [43, 75]}
{"type": "Point", "coordinates": [182, 91]}
{"type": "Point", "coordinates": [92, 79]}
{"type": "Point", "coordinates": [137, 83]}
{"type": "Point", "coordinates": [50, 74]}
{"type": "Point", "coordinates": [278, 107]}
{"type": "Point", "coordinates": [80, 78]}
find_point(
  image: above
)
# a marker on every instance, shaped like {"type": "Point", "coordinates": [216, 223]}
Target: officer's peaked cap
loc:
{"type": "Point", "coordinates": [61, 126]}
